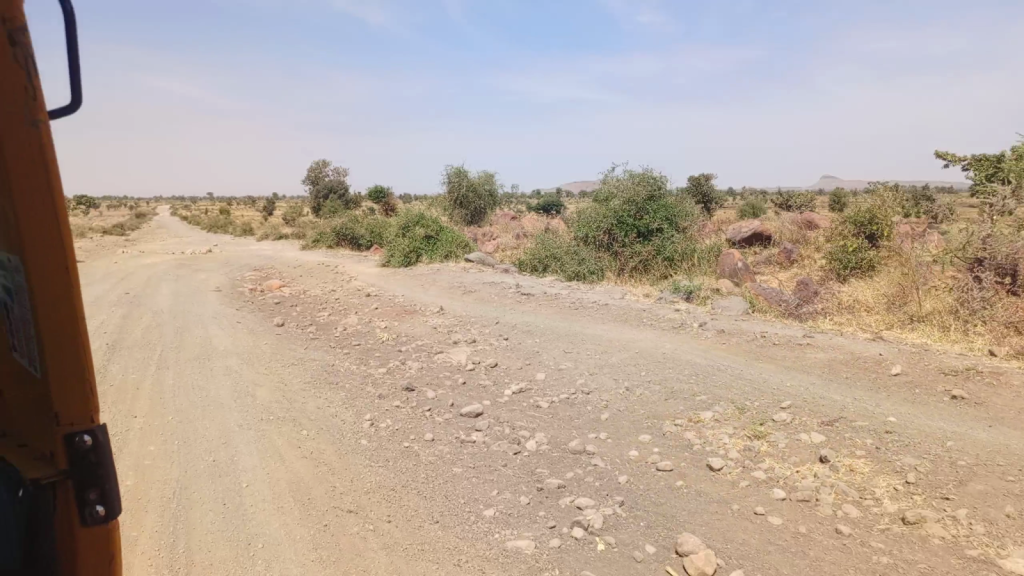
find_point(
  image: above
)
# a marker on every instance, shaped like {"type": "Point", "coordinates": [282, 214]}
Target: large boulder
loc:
{"type": "Point", "coordinates": [482, 259]}
{"type": "Point", "coordinates": [812, 221]}
{"type": "Point", "coordinates": [773, 297]}
{"type": "Point", "coordinates": [748, 233]}
{"type": "Point", "coordinates": [733, 267]}
{"type": "Point", "coordinates": [502, 216]}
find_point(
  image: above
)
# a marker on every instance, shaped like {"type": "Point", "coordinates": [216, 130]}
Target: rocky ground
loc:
{"type": "Point", "coordinates": [452, 419]}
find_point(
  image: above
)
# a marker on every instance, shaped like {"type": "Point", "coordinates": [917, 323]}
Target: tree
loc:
{"type": "Point", "coordinates": [209, 195]}
{"type": "Point", "coordinates": [998, 179]}
{"type": "Point", "coordinates": [85, 203]}
{"type": "Point", "coordinates": [549, 204]}
{"type": "Point", "coordinates": [384, 198]}
{"type": "Point", "coordinates": [470, 197]}
{"type": "Point", "coordinates": [701, 189]}
{"type": "Point", "coordinates": [320, 171]}
{"type": "Point", "coordinates": [514, 189]}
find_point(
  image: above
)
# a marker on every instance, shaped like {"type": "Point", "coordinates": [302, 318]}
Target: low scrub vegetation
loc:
{"type": "Point", "coordinates": [920, 261]}
{"type": "Point", "coordinates": [420, 237]}
{"type": "Point", "coordinates": [555, 254]}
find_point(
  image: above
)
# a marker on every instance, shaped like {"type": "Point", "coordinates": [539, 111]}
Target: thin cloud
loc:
{"type": "Point", "coordinates": [649, 13]}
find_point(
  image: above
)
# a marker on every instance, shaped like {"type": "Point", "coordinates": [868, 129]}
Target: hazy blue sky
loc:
{"type": "Point", "coordinates": [238, 96]}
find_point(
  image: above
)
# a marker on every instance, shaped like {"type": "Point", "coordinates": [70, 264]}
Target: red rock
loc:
{"type": "Point", "coordinates": [806, 291]}
{"type": "Point", "coordinates": [376, 250]}
{"type": "Point", "coordinates": [505, 216]}
{"type": "Point", "coordinates": [787, 254]}
{"type": "Point", "coordinates": [811, 221]}
{"type": "Point", "coordinates": [748, 233]}
{"type": "Point", "coordinates": [773, 297]}
{"type": "Point", "coordinates": [734, 268]}
{"type": "Point", "coordinates": [489, 247]}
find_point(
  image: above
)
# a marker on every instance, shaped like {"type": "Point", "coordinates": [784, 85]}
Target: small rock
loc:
{"type": "Point", "coordinates": [958, 394]}
{"type": "Point", "coordinates": [759, 511]}
{"type": "Point", "coordinates": [936, 531]}
{"type": "Point", "coordinates": [774, 520]}
{"type": "Point", "coordinates": [578, 533]}
{"type": "Point", "coordinates": [623, 479]}
{"type": "Point", "coordinates": [896, 370]}
{"type": "Point", "coordinates": [702, 563]}
{"type": "Point", "coordinates": [817, 438]}
{"type": "Point", "coordinates": [664, 466]}
{"type": "Point", "coordinates": [716, 464]}
{"type": "Point", "coordinates": [826, 456]}
{"type": "Point", "coordinates": [778, 494]}
{"type": "Point", "coordinates": [1010, 512]}
{"type": "Point", "coordinates": [428, 437]}
{"type": "Point", "coordinates": [524, 545]}
{"type": "Point", "coordinates": [481, 258]}
{"type": "Point", "coordinates": [786, 405]}
{"type": "Point", "coordinates": [650, 549]}
{"type": "Point", "coordinates": [851, 511]}
{"type": "Point", "coordinates": [472, 411]}
{"type": "Point", "coordinates": [782, 417]}
{"type": "Point", "coordinates": [915, 517]}
{"type": "Point", "coordinates": [645, 438]}
{"type": "Point", "coordinates": [554, 543]}
{"type": "Point", "coordinates": [639, 557]}
{"type": "Point", "coordinates": [583, 503]}
{"type": "Point", "coordinates": [490, 512]}
{"type": "Point", "coordinates": [576, 447]}
{"type": "Point", "coordinates": [759, 474]}
{"type": "Point", "coordinates": [687, 544]}
{"type": "Point", "coordinates": [843, 530]}
{"type": "Point", "coordinates": [554, 484]}
{"type": "Point", "coordinates": [911, 478]}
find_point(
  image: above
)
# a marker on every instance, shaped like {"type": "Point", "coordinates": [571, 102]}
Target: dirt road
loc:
{"type": "Point", "coordinates": [330, 426]}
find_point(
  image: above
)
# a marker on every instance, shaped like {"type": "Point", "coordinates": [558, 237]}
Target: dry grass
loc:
{"type": "Point", "coordinates": [118, 222]}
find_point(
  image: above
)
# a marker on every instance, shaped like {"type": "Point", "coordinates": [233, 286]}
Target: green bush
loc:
{"type": "Point", "coordinates": [701, 189]}
{"type": "Point", "coordinates": [849, 256]}
{"type": "Point", "coordinates": [292, 213]}
{"type": "Point", "coordinates": [378, 193]}
{"type": "Point", "coordinates": [552, 254]}
{"type": "Point", "coordinates": [753, 207]}
{"type": "Point", "coordinates": [224, 211]}
{"type": "Point", "coordinates": [794, 201]}
{"type": "Point", "coordinates": [869, 222]}
{"type": "Point", "coordinates": [549, 204]}
{"type": "Point", "coordinates": [422, 237]}
{"type": "Point", "coordinates": [351, 230]}
{"type": "Point", "coordinates": [838, 201]}
{"type": "Point", "coordinates": [636, 221]}
{"type": "Point", "coordinates": [470, 198]}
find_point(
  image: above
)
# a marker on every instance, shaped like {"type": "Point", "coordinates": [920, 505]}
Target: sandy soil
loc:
{"type": "Point", "coordinates": [316, 428]}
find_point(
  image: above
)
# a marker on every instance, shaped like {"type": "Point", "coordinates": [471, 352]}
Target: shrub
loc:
{"type": "Point", "coordinates": [352, 230]}
{"type": "Point", "coordinates": [701, 189]}
{"type": "Point", "coordinates": [384, 198]}
{"type": "Point", "coordinates": [378, 193]}
{"type": "Point", "coordinates": [849, 256]}
{"type": "Point", "coordinates": [269, 207]}
{"type": "Point", "coordinates": [794, 201]}
{"type": "Point", "coordinates": [243, 229]}
{"type": "Point", "coordinates": [292, 213]}
{"type": "Point", "coordinates": [753, 207]}
{"type": "Point", "coordinates": [838, 201]}
{"type": "Point", "coordinates": [318, 174]}
{"type": "Point", "coordinates": [331, 198]}
{"type": "Point", "coordinates": [870, 223]}
{"type": "Point", "coordinates": [635, 220]}
{"type": "Point", "coordinates": [224, 211]}
{"type": "Point", "coordinates": [552, 254]}
{"type": "Point", "coordinates": [470, 198]}
{"type": "Point", "coordinates": [549, 204]}
{"type": "Point", "coordinates": [421, 237]}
